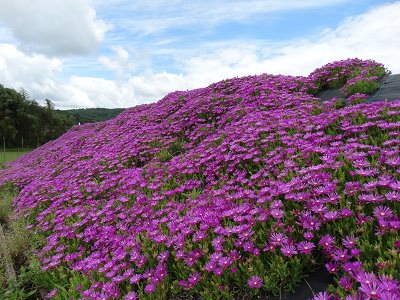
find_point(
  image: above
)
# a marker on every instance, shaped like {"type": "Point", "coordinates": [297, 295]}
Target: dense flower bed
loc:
{"type": "Point", "coordinates": [249, 183]}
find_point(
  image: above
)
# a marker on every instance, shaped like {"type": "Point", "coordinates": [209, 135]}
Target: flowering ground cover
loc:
{"type": "Point", "coordinates": [244, 186]}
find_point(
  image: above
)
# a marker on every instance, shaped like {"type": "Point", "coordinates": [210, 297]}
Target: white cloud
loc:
{"type": "Point", "coordinates": [156, 16]}
{"type": "Point", "coordinates": [372, 35]}
{"type": "Point", "coordinates": [18, 69]}
{"type": "Point", "coordinates": [120, 65]}
{"type": "Point", "coordinates": [56, 27]}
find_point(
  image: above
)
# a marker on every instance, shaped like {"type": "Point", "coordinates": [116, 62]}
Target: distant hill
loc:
{"type": "Point", "coordinates": [90, 115]}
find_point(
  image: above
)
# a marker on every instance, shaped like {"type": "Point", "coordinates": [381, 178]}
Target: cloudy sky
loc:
{"type": "Point", "coordinates": [120, 53]}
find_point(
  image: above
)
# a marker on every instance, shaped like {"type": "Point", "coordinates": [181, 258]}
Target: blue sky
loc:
{"type": "Point", "coordinates": [120, 53]}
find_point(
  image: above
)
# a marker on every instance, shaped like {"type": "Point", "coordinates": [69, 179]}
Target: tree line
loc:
{"type": "Point", "coordinates": [24, 123]}
{"type": "Point", "coordinates": [88, 115]}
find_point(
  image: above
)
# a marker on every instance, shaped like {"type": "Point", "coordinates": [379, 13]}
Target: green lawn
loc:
{"type": "Point", "coordinates": [10, 155]}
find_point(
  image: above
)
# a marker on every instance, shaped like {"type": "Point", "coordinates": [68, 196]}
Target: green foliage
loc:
{"type": "Point", "coordinates": [363, 87]}
{"type": "Point", "coordinates": [23, 122]}
{"type": "Point", "coordinates": [339, 103]}
{"type": "Point", "coordinates": [89, 115]}
{"type": "Point", "coordinates": [30, 281]}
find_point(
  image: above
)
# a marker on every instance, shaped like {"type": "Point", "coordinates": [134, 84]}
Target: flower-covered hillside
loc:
{"type": "Point", "coordinates": [247, 185]}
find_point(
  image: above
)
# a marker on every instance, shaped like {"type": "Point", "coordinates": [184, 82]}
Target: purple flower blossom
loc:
{"type": "Point", "coordinates": [130, 296]}
{"type": "Point", "coordinates": [277, 213]}
{"type": "Point", "coordinates": [149, 288]}
{"type": "Point", "coordinates": [331, 267]}
{"type": "Point", "coordinates": [349, 241]}
{"type": "Point", "coordinates": [388, 284]}
{"type": "Point", "coordinates": [370, 198]}
{"type": "Point", "coordinates": [346, 283]}
{"type": "Point", "coordinates": [225, 262]}
{"type": "Point", "coordinates": [305, 247]}
{"type": "Point", "coordinates": [331, 215]}
{"type": "Point", "coordinates": [308, 235]}
{"type": "Point", "coordinates": [278, 239]}
{"type": "Point", "coordinates": [51, 294]}
{"type": "Point", "coordinates": [366, 278]}
{"type": "Point", "coordinates": [382, 212]}
{"type": "Point", "coordinates": [323, 296]}
{"type": "Point", "coordinates": [255, 282]}
{"type": "Point", "coordinates": [288, 250]}
{"type": "Point", "coordinates": [327, 241]}
{"type": "Point", "coordinates": [371, 289]}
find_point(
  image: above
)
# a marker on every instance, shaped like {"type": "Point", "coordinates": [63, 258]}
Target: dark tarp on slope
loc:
{"type": "Point", "coordinates": [389, 90]}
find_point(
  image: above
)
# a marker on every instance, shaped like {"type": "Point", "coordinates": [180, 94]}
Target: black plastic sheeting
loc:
{"type": "Point", "coordinates": [309, 286]}
{"type": "Point", "coordinates": [328, 94]}
{"type": "Point", "coordinates": [389, 90]}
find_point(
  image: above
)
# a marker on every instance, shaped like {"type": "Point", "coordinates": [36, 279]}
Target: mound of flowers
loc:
{"type": "Point", "coordinates": [244, 186]}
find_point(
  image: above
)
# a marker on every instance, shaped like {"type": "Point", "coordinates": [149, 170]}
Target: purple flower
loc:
{"type": "Point", "coordinates": [210, 266]}
{"type": "Point", "coordinates": [278, 239]}
{"type": "Point", "coordinates": [277, 213]}
{"type": "Point", "coordinates": [388, 283]}
{"type": "Point", "coordinates": [341, 255]}
{"type": "Point", "coordinates": [248, 246]}
{"type": "Point", "coordinates": [234, 255]}
{"type": "Point", "coordinates": [323, 296]}
{"type": "Point", "coordinates": [149, 288]}
{"type": "Point", "coordinates": [351, 188]}
{"type": "Point", "coordinates": [130, 296]}
{"type": "Point", "coordinates": [218, 271]}
{"type": "Point", "coordinates": [331, 267]}
{"type": "Point", "coordinates": [331, 215]}
{"type": "Point", "coordinates": [345, 212]}
{"type": "Point", "coordinates": [255, 282]}
{"type": "Point", "coordinates": [135, 278]}
{"type": "Point", "coordinates": [346, 283]}
{"type": "Point", "coordinates": [392, 196]}
{"type": "Point", "coordinates": [382, 212]}
{"type": "Point", "coordinates": [367, 172]}
{"type": "Point", "coordinates": [51, 294]}
{"type": "Point", "coordinates": [389, 296]}
{"type": "Point", "coordinates": [218, 243]}
{"type": "Point", "coordinates": [349, 241]}
{"type": "Point", "coordinates": [225, 262]}
{"type": "Point", "coordinates": [352, 267]}
{"type": "Point", "coordinates": [355, 252]}
{"type": "Point", "coordinates": [371, 289]}
{"type": "Point", "coordinates": [288, 250]}
{"type": "Point", "coordinates": [163, 256]}
{"type": "Point", "coordinates": [276, 204]}
{"type": "Point", "coordinates": [365, 277]}
{"type": "Point", "coordinates": [194, 278]}
{"type": "Point", "coordinates": [305, 247]}
{"type": "Point", "coordinates": [327, 241]}
{"type": "Point", "coordinates": [371, 198]}
{"type": "Point", "coordinates": [308, 235]}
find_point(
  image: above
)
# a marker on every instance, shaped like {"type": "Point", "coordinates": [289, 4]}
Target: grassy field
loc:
{"type": "Point", "coordinates": [10, 155]}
